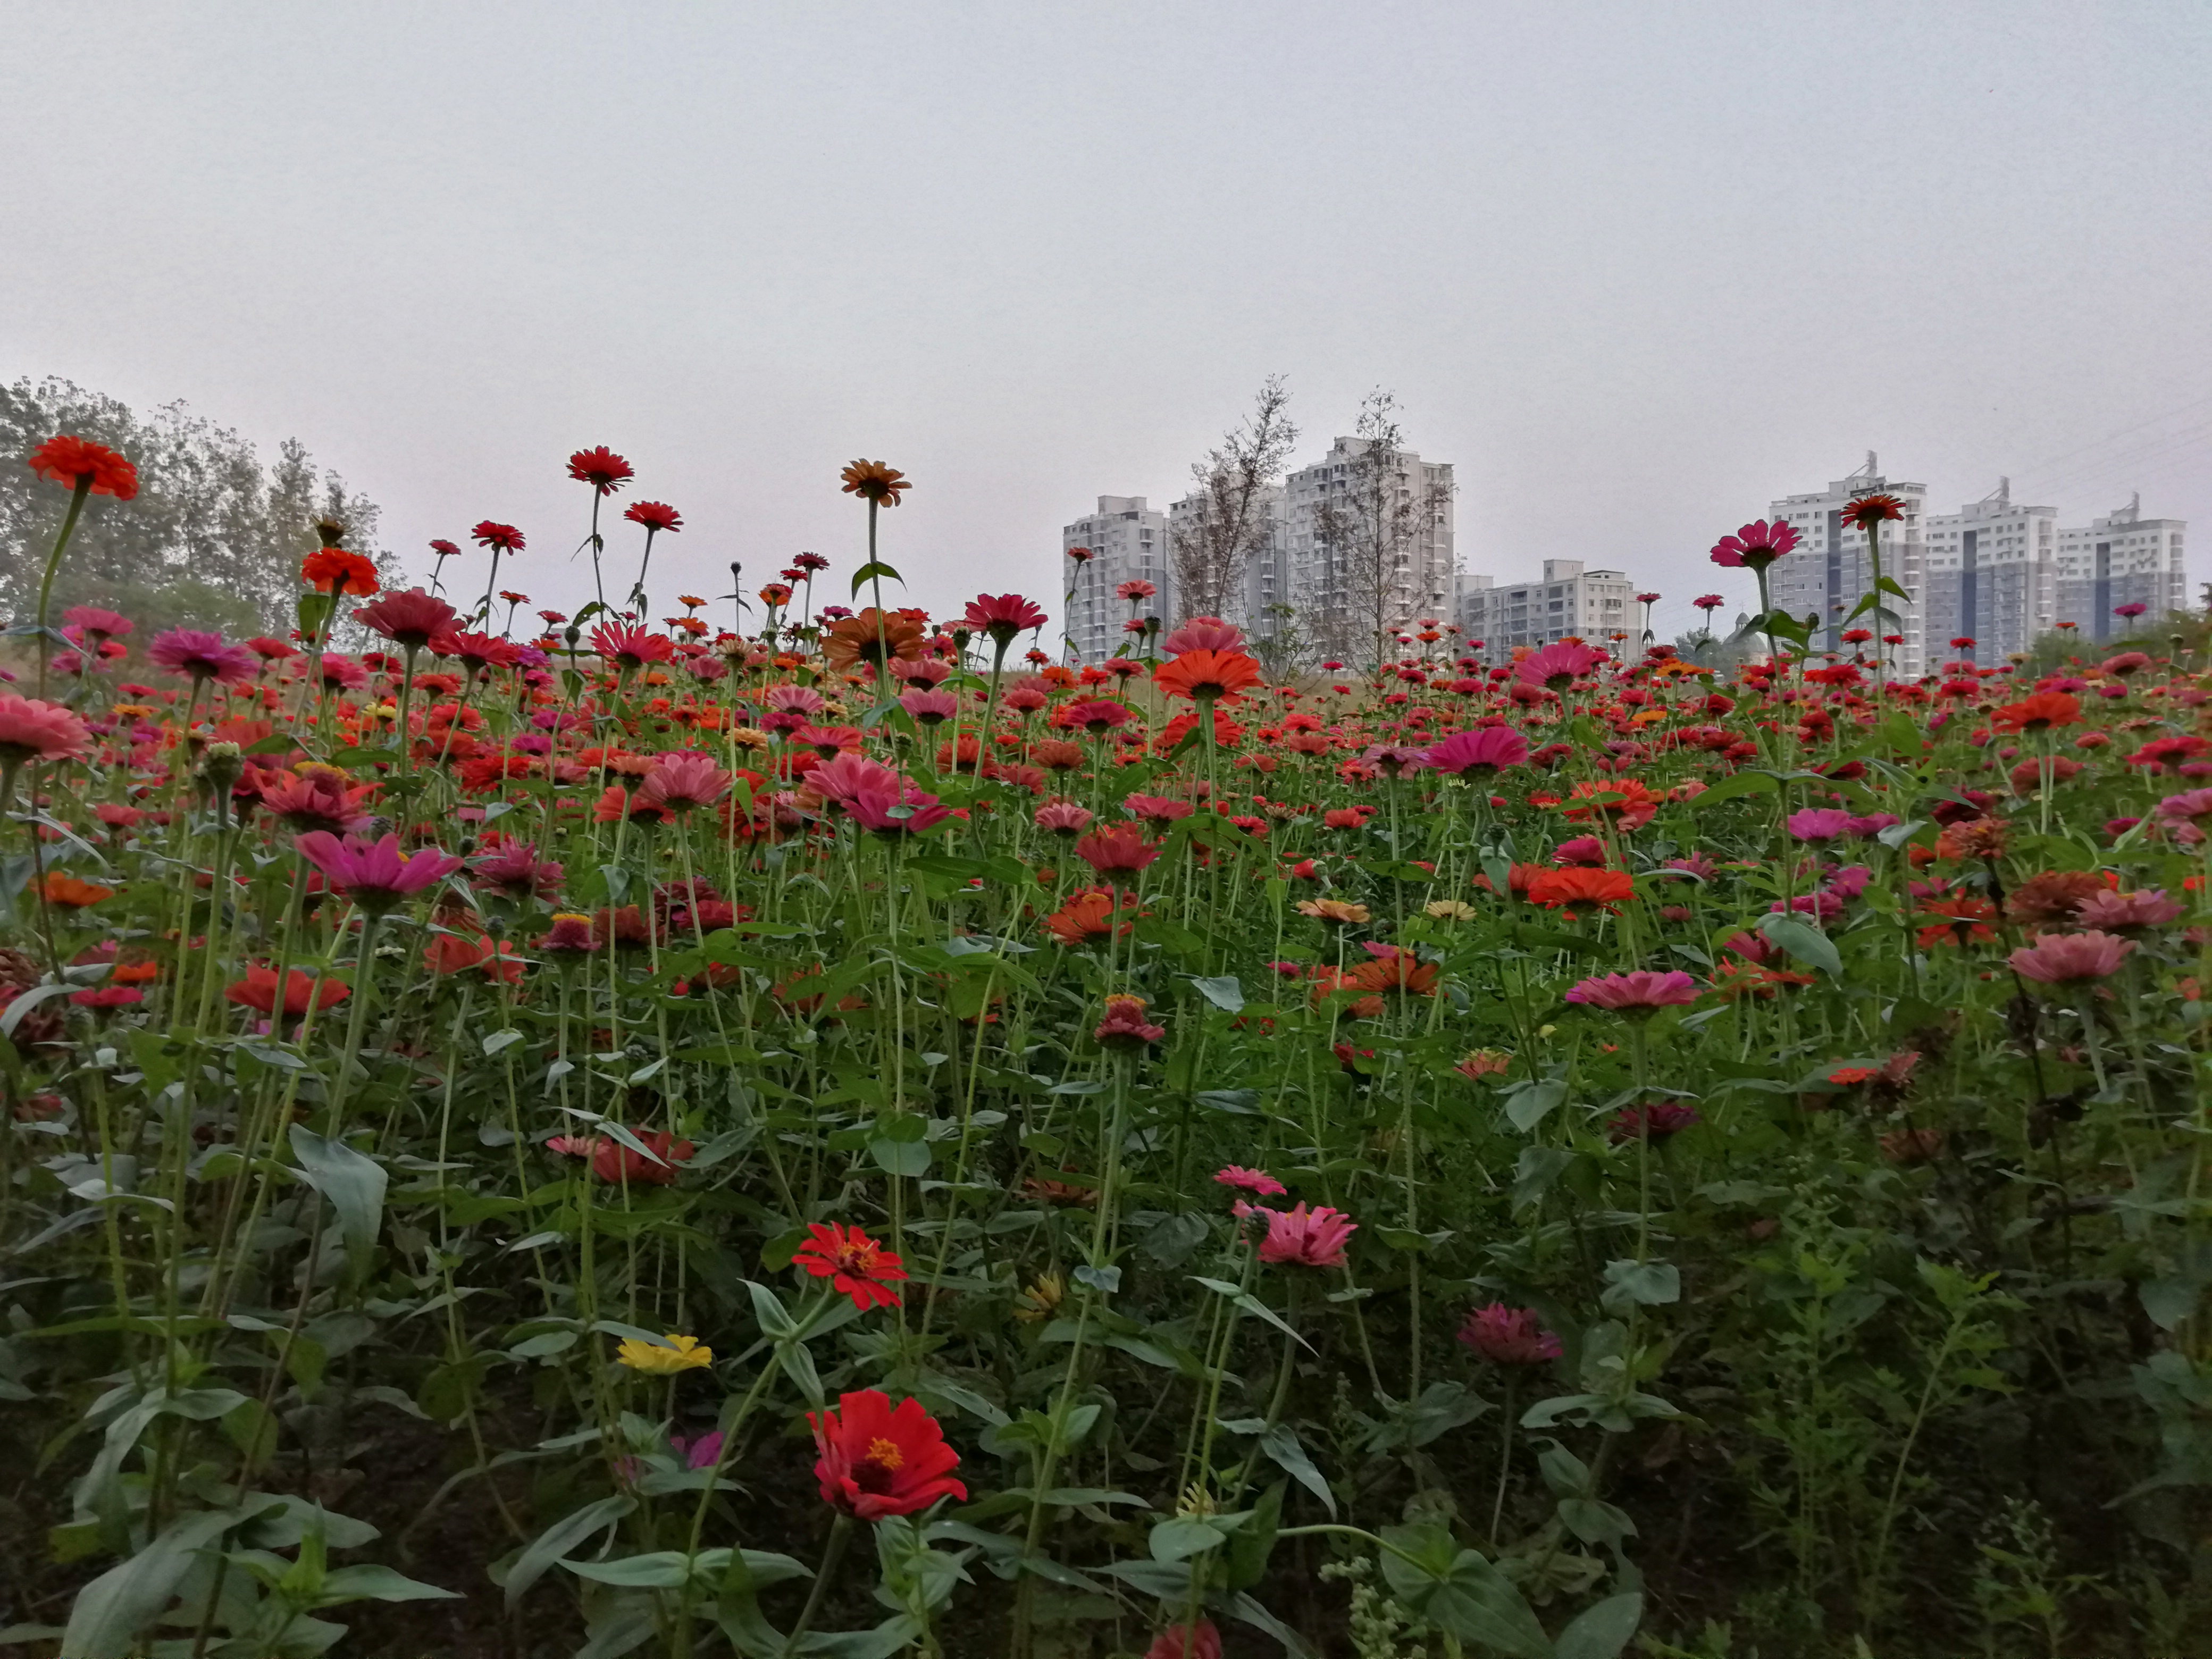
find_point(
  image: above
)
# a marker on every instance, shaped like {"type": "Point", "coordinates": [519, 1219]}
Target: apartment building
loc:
{"type": "Point", "coordinates": [1128, 542]}
{"type": "Point", "coordinates": [1830, 570]}
{"type": "Point", "coordinates": [1989, 573]}
{"type": "Point", "coordinates": [2121, 558]}
{"type": "Point", "coordinates": [1568, 601]}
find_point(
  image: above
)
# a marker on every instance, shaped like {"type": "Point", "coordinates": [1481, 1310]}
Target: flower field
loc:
{"type": "Point", "coordinates": [844, 1134]}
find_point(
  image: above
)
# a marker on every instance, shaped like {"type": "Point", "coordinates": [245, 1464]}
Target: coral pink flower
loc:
{"type": "Point", "coordinates": [1479, 753]}
{"type": "Point", "coordinates": [1508, 1336]}
{"type": "Point", "coordinates": [1121, 850]}
{"type": "Point", "coordinates": [202, 656]}
{"type": "Point", "coordinates": [2071, 958]}
{"type": "Point", "coordinates": [929, 707]}
{"type": "Point", "coordinates": [320, 798]}
{"type": "Point", "coordinates": [1125, 1026]}
{"type": "Point", "coordinates": [31, 729]}
{"type": "Point", "coordinates": [679, 782]}
{"type": "Point", "coordinates": [1252, 1180]}
{"type": "Point", "coordinates": [1641, 993]}
{"type": "Point", "coordinates": [2126, 913]}
{"type": "Point", "coordinates": [1063, 817]}
{"type": "Point", "coordinates": [1203, 633]}
{"type": "Point", "coordinates": [629, 645]}
{"type": "Point", "coordinates": [375, 874]}
{"type": "Point", "coordinates": [1306, 1238]}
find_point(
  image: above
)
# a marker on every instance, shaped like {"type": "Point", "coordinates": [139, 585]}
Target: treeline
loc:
{"type": "Point", "coordinates": [214, 539]}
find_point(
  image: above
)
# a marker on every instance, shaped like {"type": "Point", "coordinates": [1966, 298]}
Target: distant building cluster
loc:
{"type": "Point", "coordinates": [1997, 572]}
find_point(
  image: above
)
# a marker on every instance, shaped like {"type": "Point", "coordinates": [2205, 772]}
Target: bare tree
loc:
{"type": "Point", "coordinates": [1215, 544]}
{"type": "Point", "coordinates": [1374, 533]}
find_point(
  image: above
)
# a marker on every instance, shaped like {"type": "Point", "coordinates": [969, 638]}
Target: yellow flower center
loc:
{"type": "Point", "coordinates": [885, 1455]}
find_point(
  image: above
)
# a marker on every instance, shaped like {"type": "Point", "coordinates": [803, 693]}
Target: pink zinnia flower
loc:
{"type": "Point", "coordinates": [1479, 753]}
{"type": "Point", "coordinates": [342, 673]}
{"type": "Point", "coordinates": [1002, 615]}
{"type": "Point", "coordinates": [31, 729]}
{"type": "Point", "coordinates": [1755, 546]}
{"type": "Point", "coordinates": [1508, 1336]}
{"type": "Point", "coordinates": [1640, 993]}
{"type": "Point", "coordinates": [2071, 958]}
{"type": "Point", "coordinates": [202, 656]}
{"type": "Point", "coordinates": [1558, 665]}
{"type": "Point", "coordinates": [904, 810]}
{"type": "Point", "coordinates": [1306, 1238]}
{"type": "Point", "coordinates": [1204, 634]}
{"type": "Point", "coordinates": [1063, 817]}
{"type": "Point", "coordinates": [1818, 824]}
{"type": "Point", "coordinates": [514, 868]}
{"type": "Point", "coordinates": [409, 619]}
{"type": "Point", "coordinates": [374, 874]}
{"type": "Point", "coordinates": [850, 776]}
{"type": "Point", "coordinates": [2126, 913]}
{"type": "Point", "coordinates": [677, 783]}
{"type": "Point", "coordinates": [100, 624]}
{"type": "Point", "coordinates": [1177, 1642]}
{"type": "Point", "coordinates": [929, 707]}
{"type": "Point", "coordinates": [1252, 1180]}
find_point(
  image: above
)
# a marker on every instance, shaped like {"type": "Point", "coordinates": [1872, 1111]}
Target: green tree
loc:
{"type": "Point", "coordinates": [214, 539]}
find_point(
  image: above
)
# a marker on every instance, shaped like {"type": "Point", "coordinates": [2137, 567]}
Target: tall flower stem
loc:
{"type": "Point", "coordinates": [54, 563]}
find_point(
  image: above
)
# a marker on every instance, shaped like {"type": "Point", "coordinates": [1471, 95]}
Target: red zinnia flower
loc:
{"type": "Point", "coordinates": [1002, 615]}
{"type": "Point", "coordinates": [504, 537]}
{"type": "Point", "coordinates": [601, 468]}
{"type": "Point", "coordinates": [853, 1263]}
{"type": "Point", "coordinates": [1121, 850]}
{"type": "Point", "coordinates": [876, 1461]}
{"type": "Point", "coordinates": [653, 515]}
{"type": "Point", "coordinates": [332, 569]}
{"type": "Point", "coordinates": [1865, 512]}
{"type": "Point", "coordinates": [258, 990]}
{"type": "Point", "coordinates": [411, 619]}
{"type": "Point", "coordinates": [1561, 889]}
{"type": "Point", "coordinates": [71, 461]}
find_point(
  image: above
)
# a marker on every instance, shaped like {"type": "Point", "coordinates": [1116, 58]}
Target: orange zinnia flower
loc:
{"type": "Point", "coordinates": [1562, 889]}
{"type": "Point", "coordinates": [1399, 971]}
{"type": "Point", "coordinates": [873, 481]}
{"type": "Point", "coordinates": [870, 637]}
{"type": "Point", "coordinates": [2039, 713]}
{"type": "Point", "coordinates": [332, 569]}
{"type": "Point", "coordinates": [1086, 917]}
{"type": "Point", "coordinates": [1203, 675]}
{"type": "Point", "coordinates": [64, 888]}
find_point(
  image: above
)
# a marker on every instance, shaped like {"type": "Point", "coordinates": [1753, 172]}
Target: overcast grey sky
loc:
{"type": "Point", "coordinates": [1636, 269]}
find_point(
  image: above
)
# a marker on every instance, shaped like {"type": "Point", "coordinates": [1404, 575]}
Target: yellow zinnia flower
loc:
{"type": "Point", "coordinates": [680, 1353]}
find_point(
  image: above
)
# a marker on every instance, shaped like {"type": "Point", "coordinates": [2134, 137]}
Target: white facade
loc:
{"type": "Point", "coordinates": [1991, 574]}
{"type": "Point", "coordinates": [1829, 572]}
{"type": "Point", "coordinates": [1424, 584]}
{"type": "Point", "coordinates": [1568, 601]}
{"type": "Point", "coordinates": [1262, 582]}
{"type": "Point", "coordinates": [2121, 558]}
{"type": "Point", "coordinates": [1128, 542]}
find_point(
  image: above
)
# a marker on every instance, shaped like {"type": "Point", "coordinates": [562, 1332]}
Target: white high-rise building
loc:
{"type": "Point", "coordinates": [2121, 558]}
{"type": "Point", "coordinates": [1335, 601]}
{"type": "Point", "coordinates": [1128, 542]}
{"type": "Point", "coordinates": [1260, 585]}
{"type": "Point", "coordinates": [1569, 601]}
{"type": "Point", "coordinates": [1829, 573]}
{"type": "Point", "coordinates": [1991, 574]}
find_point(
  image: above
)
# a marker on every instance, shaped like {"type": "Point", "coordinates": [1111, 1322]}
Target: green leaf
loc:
{"type": "Point", "coordinates": [376, 1584]}
{"type": "Point", "coordinates": [1224, 993]}
{"type": "Point", "coordinates": [108, 1614]}
{"type": "Point", "coordinates": [1801, 940]}
{"type": "Point", "coordinates": [1182, 1537]}
{"type": "Point", "coordinates": [874, 571]}
{"type": "Point", "coordinates": [354, 1183]}
{"type": "Point", "coordinates": [1528, 1104]}
{"type": "Point", "coordinates": [1649, 1284]}
{"type": "Point", "coordinates": [1281, 1443]}
{"type": "Point", "coordinates": [1602, 1630]}
{"type": "Point", "coordinates": [1742, 784]}
{"type": "Point", "coordinates": [1461, 1591]}
{"type": "Point", "coordinates": [900, 1157]}
{"type": "Point", "coordinates": [562, 1536]}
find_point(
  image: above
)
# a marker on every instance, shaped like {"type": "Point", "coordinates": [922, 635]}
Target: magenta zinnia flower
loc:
{"type": "Point", "coordinates": [202, 656]}
{"type": "Point", "coordinates": [2127, 913]}
{"type": "Point", "coordinates": [2071, 958]}
{"type": "Point", "coordinates": [374, 875]}
{"type": "Point", "coordinates": [678, 782]}
{"type": "Point", "coordinates": [1557, 665]}
{"type": "Point", "coordinates": [1479, 753]}
{"type": "Point", "coordinates": [1755, 546]}
{"type": "Point", "coordinates": [1063, 817]}
{"type": "Point", "coordinates": [1820, 823]}
{"type": "Point", "coordinates": [1639, 993]}
{"type": "Point", "coordinates": [1508, 1336]}
{"type": "Point", "coordinates": [1003, 616]}
{"type": "Point", "coordinates": [1252, 1180]}
{"type": "Point", "coordinates": [1306, 1238]}
{"type": "Point", "coordinates": [31, 729]}
{"type": "Point", "coordinates": [929, 707]}
{"type": "Point", "coordinates": [98, 623]}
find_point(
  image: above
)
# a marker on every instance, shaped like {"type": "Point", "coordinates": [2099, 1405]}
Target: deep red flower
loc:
{"type": "Point", "coordinates": [601, 468]}
{"type": "Point", "coordinates": [504, 537]}
{"type": "Point", "coordinates": [410, 619]}
{"type": "Point", "coordinates": [71, 461]}
{"type": "Point", "coordinates": [853, 1263]}
{"type": "Point", "coordinates": [876, 1461]}
{"type": "Point", "coordinates": [258, 990]}
{"type": "Point", "coordinates": [1002, 615]}
{"type": "Point", "coordinates": [1864, 512]}
{"type": "Point", "coordinates": [332, 569]}
{"type": "Point", "coordinates": [653, 515]}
